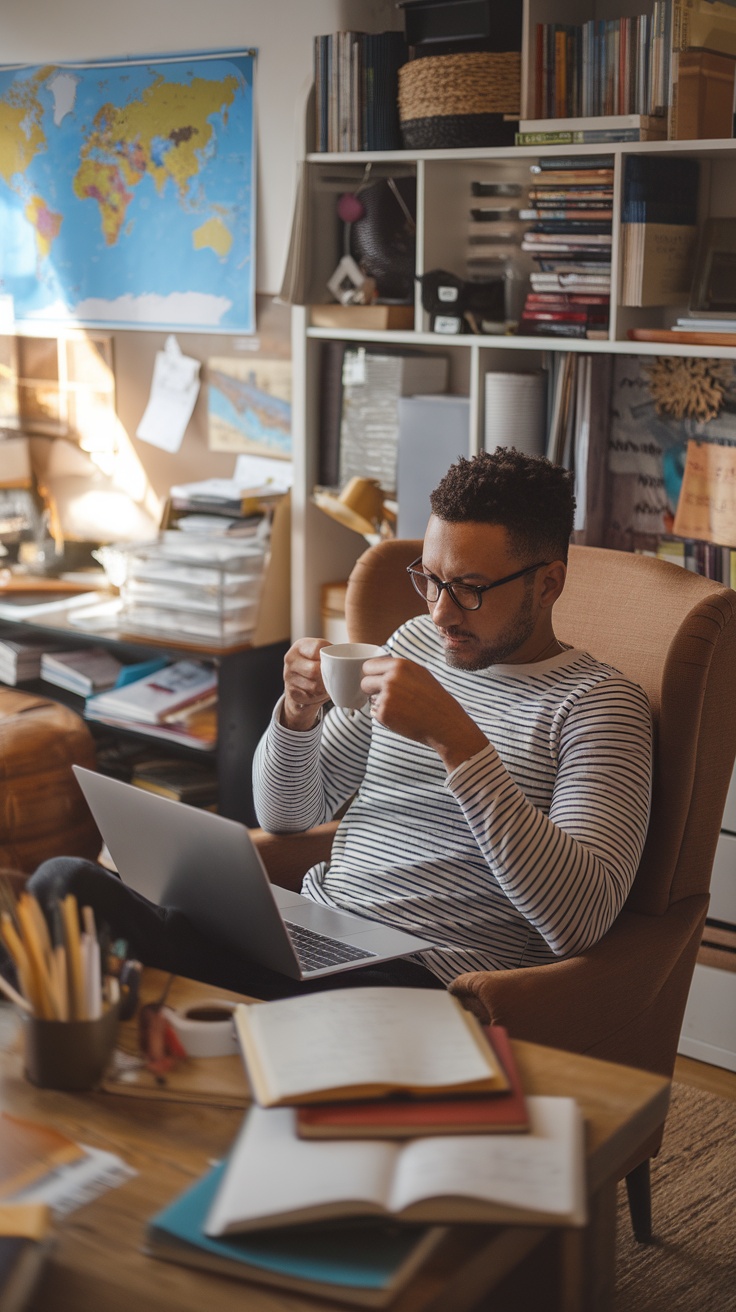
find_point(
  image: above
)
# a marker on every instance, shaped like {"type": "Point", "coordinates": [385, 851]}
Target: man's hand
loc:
{"type": "Point", "coordinates": [304, 691]}
{"type": "Point", "coordinates": [405, 697]}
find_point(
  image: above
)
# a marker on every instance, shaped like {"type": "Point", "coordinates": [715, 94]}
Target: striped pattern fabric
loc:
{"type": "Point", "coordinates": [525, 853]}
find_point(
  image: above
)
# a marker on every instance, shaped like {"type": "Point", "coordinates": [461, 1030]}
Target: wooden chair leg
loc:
{"type": "Point", "coordinates": [639, 1190]}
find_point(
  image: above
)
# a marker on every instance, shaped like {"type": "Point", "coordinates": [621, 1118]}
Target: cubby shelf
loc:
{"type": "Point", "coordinates": [322, 551]}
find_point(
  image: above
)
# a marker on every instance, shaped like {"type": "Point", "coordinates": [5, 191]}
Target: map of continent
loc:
{"type": "Point", "coordinates": [127, 193]}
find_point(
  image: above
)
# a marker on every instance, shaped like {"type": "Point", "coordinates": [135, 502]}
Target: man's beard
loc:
{"type": "Point", "coordinates": [479, 656]}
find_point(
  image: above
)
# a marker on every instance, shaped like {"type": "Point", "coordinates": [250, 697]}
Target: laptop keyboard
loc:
{"type": "Point", "coordinates": [316, 950]}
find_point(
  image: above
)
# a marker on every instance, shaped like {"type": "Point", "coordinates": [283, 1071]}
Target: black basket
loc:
{"type": "Point", "coordinates": [446, 131]}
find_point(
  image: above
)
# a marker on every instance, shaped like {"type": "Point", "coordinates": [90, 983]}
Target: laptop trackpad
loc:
{"type": "Point", "coordinates": [327, 920]}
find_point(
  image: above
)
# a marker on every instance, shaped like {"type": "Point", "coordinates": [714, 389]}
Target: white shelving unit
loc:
{"type": "Point", "coordinates": [322, 551]}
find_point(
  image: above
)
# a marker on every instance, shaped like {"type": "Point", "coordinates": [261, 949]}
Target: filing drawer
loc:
{"type": "Point", "coordinates": [723, 881]}
{"type": "Point", "coordinates": [709, 1025]}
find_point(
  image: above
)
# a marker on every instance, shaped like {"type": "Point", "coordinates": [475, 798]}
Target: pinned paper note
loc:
{"type": "Point", "coordinates": [706, 509]}
{"type": "Point", "coordinates": [174, 390]}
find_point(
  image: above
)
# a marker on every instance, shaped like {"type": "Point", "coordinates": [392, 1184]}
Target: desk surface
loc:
{"type": "Point", "coordinates": [98, 1266]}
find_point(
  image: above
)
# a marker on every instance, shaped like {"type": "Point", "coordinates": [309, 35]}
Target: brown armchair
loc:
{"type": "Point", "coordinates": [674, 633]}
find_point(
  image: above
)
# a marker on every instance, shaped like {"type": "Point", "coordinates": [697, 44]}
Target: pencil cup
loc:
{"type": "Point", "coordinates": [68, 1054]}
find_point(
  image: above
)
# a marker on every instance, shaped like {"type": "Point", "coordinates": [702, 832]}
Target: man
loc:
{"type": "Point", "coordinates": [500, 781]}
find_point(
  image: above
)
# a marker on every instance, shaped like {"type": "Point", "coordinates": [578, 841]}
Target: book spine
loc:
{"type": "Point", "coordinates": [543, 138]}
{"type": "Point", "coordinates": [586, 136]}
{"type": "Point", "coordinates": [332, 90]}
{"type": "Point", "coordinates": [560, 71]}
{"type": "Point", "coordinates": [540, 84]}
{"type": "Point", "coordinates": [318, 91]}
{"type": "Point", "coordinates": [558, 163]}
{"type": "Point", "coordinates": [549, 66]}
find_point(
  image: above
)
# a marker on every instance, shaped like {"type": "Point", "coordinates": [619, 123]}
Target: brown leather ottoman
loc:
{"type": "Point", "coordinates": [42, 810]}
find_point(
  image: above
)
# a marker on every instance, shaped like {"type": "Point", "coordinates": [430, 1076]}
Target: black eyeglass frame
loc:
{"type": "Point", "coordinates": [477, 588]}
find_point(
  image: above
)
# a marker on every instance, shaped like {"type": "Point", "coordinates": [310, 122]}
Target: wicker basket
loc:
{"type": "Point", "coordinates": [459, 100]}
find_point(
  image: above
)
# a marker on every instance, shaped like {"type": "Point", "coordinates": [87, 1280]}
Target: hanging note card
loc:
{"type": "Point", "coordinates": [706, 509]}
{"type": "Point", "coordinates": [174, 390]}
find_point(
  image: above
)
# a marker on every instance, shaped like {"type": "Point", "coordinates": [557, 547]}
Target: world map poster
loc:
{"type": "Point", "coordinates": [127, 193]}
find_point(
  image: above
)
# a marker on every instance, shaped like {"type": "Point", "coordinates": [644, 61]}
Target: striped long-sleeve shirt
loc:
{"type": "Point", "coordinates": [524, 853]}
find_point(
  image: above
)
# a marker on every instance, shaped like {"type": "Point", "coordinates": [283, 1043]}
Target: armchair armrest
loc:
{"type": "Point", "coordinates": [609, 1001]}
{"type": "Point", "coordinates": [288, 857]}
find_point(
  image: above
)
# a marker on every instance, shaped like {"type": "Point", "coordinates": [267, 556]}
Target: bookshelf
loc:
{"type": "Point", "coordinates": [322, 551]}
{"type": "Point", "coordinates": [249, 684]}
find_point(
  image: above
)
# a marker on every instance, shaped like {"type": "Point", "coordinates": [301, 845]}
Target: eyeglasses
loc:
{"type": "Point", "coordinates": [468, 596]}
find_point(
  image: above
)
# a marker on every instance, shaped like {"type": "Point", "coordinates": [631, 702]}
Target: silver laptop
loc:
{"type": "Point", "coordinates": [209, 868]}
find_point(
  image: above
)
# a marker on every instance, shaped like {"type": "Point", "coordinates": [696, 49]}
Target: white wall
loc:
{"type": "Point", "coordinates": [41, 31]}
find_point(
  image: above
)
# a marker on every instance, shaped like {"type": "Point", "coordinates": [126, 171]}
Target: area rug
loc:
{"type": "Point", "coordinates": [691, 1265]}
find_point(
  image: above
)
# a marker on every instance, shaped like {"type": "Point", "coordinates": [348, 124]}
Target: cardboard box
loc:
{"type": "Point", "coordinates": [705, 95]}
{"type": "Point", "coordinates": [334, 625]}
{"type": "Point", "coordinates": [372, 318]}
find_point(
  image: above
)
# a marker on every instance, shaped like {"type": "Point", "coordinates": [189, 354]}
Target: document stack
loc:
{"type": "Point", "coordinates": [199, 587]}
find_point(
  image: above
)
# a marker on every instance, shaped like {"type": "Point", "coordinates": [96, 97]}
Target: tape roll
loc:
{"type": "Point", "coordinates": [206, 1028]}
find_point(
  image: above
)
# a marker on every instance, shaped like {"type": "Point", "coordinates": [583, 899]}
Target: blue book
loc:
{"type": "Point", "coordinates": [364, 1262]}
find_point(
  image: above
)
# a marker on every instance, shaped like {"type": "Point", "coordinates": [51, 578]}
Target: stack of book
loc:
{"type": "Point", "coordinates": [182, 781]}
{"type": "Point", "coordinates": [571, 203]}
{"type": "Point", "coordinates": [20, 661]}
{"type": "Point", "coordinates": [177, 703]}
{"type": "Point", "coordinates": [86, 671]}
{"type": "Point", "coordinates": [225, 497]}
{"type": "Point", "coordinates": [598, 129]}
{"type": "Point", "coordinates": [397, 1120]}
{"type": "Point", "coordinates": [691, 323]}
{"type": "Point", "coordinates": [356, 90]}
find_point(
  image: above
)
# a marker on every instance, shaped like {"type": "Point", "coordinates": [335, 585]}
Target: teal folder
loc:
{"type": "Point", "coordinates": [361, 1261]}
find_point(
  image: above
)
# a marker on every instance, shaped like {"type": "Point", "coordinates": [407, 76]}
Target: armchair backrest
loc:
{"type": "Point", "coordinates": [669, 630]}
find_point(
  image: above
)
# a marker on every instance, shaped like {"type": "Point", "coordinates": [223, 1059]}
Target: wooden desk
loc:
{"type": "Point", "coordinates": [98, 1266]}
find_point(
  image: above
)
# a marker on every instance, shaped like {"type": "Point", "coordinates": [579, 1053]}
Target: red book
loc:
{"type": "Point", "coordinates": [412, 1118]}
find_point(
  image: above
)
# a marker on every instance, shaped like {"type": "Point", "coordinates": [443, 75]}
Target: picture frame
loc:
{"type": "Point", "coordinates": [713, 291]}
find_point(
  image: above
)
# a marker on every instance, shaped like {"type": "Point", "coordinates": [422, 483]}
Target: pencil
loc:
{"type": "Point", "coordinates": [14, 996]}
{"type": "Point", "coordinates": [70, 914]}
{"type": "Point", "coordinates": [32, 944]}
{"type": "Point", "coordinates": [61, 979]}
{"type": "Point", "coordinates": [20, 958]}
{"type": "Point", "coordinates": [39, 920]}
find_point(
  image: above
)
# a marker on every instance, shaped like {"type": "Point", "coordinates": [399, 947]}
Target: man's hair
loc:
{"type": "Point", "coordinates": [527, 495]}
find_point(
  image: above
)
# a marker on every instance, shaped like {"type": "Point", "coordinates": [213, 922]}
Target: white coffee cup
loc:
{"type": "Point", "coordinates": [342, 671]}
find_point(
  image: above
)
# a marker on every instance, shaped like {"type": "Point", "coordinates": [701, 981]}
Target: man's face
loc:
{"type": "Point", "coordinates": [503, 629]}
